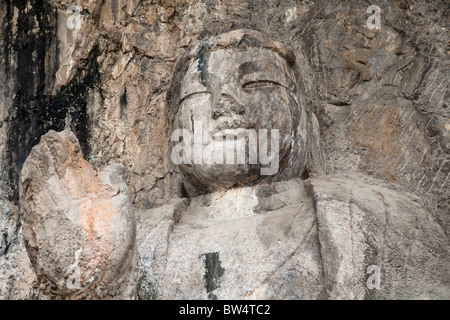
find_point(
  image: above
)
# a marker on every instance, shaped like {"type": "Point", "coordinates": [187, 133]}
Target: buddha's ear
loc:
{"type": "Point", "coordinates": [316, 162]}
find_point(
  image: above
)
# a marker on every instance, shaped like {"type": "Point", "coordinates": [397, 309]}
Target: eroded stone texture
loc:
{"type": "Point", "coordinates": [365, 222]}
{"type": "Point", "coordinates": [79, 228]}
{"type": "Point", "coordinates": [17, 277]}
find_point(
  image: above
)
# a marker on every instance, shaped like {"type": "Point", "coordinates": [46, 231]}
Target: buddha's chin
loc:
{"type": "Point", "coordinates": [220, 176]}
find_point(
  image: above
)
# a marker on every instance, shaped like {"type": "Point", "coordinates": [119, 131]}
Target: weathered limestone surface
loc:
{"type": "Point", "coordinates": [381, 96]}
{"type": "Point", "coordinates": [248, 243]}
{"type": "Point", "coordinates": [17, 276]}
{"type": "Point", "coordinates": [79, 228]}
{"type": "Point", "coordinates": [232, 86]}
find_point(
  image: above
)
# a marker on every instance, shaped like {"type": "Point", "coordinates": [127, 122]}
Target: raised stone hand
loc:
{"type": "Point", "coordinates": [79, 227]}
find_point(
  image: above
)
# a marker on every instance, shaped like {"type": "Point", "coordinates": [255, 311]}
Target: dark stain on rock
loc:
{"type": "Point", "coordinates": [123, 102]}
{"type": "Point", "coordinates": [213, 272]}
{"type": "Point", "coordinates": [35, 110]}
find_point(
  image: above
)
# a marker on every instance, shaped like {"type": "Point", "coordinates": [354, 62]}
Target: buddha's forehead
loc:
{"type": "Point", "coordinates": [234, 66]}
{"type": "Point", "coordinates": [235, 62]}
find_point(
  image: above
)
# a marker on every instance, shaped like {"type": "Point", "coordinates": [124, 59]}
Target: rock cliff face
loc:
{"type": "Point", "coordinates": [103, 69]}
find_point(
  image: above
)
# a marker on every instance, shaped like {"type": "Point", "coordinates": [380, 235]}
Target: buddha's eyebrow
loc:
{"type": "Point", "coordinates": [190, 88]}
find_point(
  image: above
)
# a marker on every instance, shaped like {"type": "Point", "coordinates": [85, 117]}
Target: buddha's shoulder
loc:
{"type": "Point", "coordinates": [341, 186]}
{"type": "Point", "coordinates": [368, 224]}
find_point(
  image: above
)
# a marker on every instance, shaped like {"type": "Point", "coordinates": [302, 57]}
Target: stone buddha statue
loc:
{"type": "Point", "coordinates": [242, 231]}
{"type": "Point", "coordinates": [245, 221]}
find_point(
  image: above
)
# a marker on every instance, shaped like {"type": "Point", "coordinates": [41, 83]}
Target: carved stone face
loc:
{"type": "Point", "coordinates": [226, 92]}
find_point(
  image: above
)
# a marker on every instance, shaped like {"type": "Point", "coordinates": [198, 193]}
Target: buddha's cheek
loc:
{"type": "Point", "coordinates": [195, 113]}
{"type": "Point", "coordinates": [271, 110]}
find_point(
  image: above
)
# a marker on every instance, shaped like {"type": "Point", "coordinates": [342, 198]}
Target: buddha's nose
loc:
{"type": "Point", "coordinates": [227, 104]}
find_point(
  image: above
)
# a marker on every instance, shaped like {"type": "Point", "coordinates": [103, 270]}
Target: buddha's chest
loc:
{"type": "Point", "coordinates": [266, 256]}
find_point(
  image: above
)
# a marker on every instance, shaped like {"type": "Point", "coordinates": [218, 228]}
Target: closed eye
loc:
{"type": "Point", "coordinates": [190, 95]}
{"type": "Point", "coordinates": [260, 84]}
